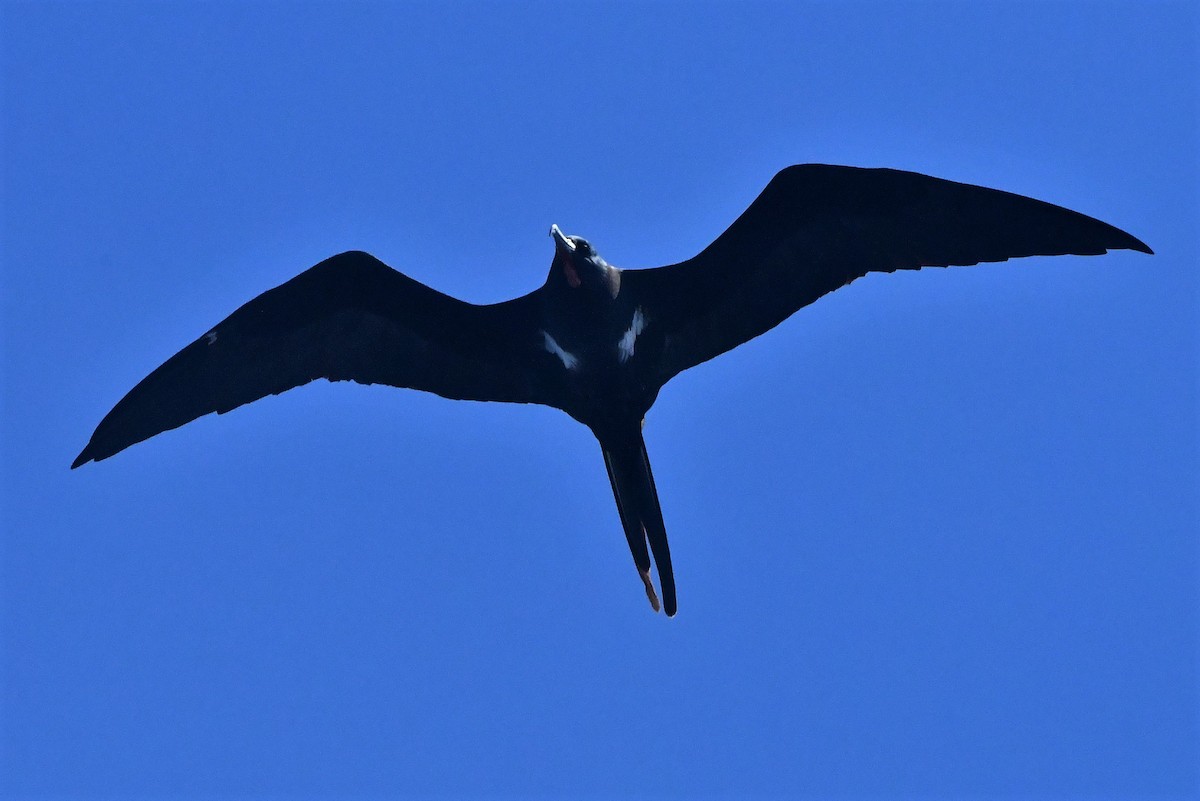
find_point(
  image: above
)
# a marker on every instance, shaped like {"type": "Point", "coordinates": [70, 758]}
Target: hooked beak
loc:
{"type": "Point", "coordinates": [567, 248]}
{"type": "Point", "coordinates": [560, 239]}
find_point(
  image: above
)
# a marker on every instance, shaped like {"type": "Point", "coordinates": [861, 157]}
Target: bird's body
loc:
{"type": "Point", "coordinates": [596, 341]}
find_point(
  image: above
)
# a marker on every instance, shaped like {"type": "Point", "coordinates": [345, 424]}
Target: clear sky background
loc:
{"type": "Point", "coordinates": [935, 536]}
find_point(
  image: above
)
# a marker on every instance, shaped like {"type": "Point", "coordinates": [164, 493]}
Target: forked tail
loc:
{"type": "Point", "coordinates": [641, 517]}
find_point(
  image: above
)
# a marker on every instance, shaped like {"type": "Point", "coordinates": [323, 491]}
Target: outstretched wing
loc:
{"type": "Point", "coordinates": [349, 318]}
{"type": "Point", "coordinates": [818, 227]}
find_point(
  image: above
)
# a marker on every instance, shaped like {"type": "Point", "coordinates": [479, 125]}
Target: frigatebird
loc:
{"type": "Point", "coordinates": [594, 340]}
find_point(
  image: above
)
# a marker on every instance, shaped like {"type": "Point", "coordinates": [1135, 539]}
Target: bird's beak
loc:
{"type": "Point", "coordinates": [567, 248]}
{"type": "Point", "coordinates": [560, 239]}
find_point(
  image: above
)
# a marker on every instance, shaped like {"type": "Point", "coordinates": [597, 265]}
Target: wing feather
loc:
{"type": "Point", "coordinates": [349, 318]}
{"type": "Point", "coordinates": [818, 227]}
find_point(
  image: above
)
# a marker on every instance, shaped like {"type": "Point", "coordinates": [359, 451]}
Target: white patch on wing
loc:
{"type": "Point", "coordinates": [569, 360]}
{"type": "Point", "coordinates": [629, 338]}
{"type": "Point", "coordinates": [210, 337]}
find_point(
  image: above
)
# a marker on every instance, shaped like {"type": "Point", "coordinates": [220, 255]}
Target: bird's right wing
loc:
{"type": "Point", "coordinates": [817, 227]}
{"type": "Point", "coordinates": [351, 317]}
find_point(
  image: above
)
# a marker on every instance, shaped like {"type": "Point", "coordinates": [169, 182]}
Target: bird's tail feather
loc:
{"type": "Point", "coordinates": [641, 517]}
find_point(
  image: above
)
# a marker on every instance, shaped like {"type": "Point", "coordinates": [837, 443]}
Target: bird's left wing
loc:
{"type": "Point", "coordinates": [351, 317]}
{"type": "Point", "coordinates": [817, 227]}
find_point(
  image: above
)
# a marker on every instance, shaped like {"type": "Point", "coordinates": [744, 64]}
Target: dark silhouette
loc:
{"type": "Point", "coordinates": [596, 341]}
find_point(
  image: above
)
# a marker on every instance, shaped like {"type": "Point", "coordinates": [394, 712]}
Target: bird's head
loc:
{"type": "Point", "coordinates": [578, 264]}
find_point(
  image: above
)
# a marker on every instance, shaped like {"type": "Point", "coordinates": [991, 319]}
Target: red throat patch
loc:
{"type": "Point", "coordinates": [572, 275]}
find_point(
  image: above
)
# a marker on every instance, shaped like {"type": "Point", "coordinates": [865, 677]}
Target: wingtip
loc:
{"type": "Point", "coordinates": [1130, 242]}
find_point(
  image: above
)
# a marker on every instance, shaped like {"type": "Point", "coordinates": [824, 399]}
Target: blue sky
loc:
{"type": "Point", "coordinates": [935, 536]}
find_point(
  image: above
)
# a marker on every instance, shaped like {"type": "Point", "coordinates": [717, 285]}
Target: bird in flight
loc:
{"type": "Point", "coordinates": [594, 340]}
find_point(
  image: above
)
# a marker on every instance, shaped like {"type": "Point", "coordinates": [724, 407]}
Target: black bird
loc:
{"type": "Point", "coordinates": [596, 341]}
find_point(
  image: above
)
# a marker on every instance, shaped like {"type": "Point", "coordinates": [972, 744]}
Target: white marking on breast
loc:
{"type": "Point", "coordinates": [569, 360]}
{"type": "Point", "coordinates": [629, 338]}
{"type": "Point", "coordinates": [210, 337]}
